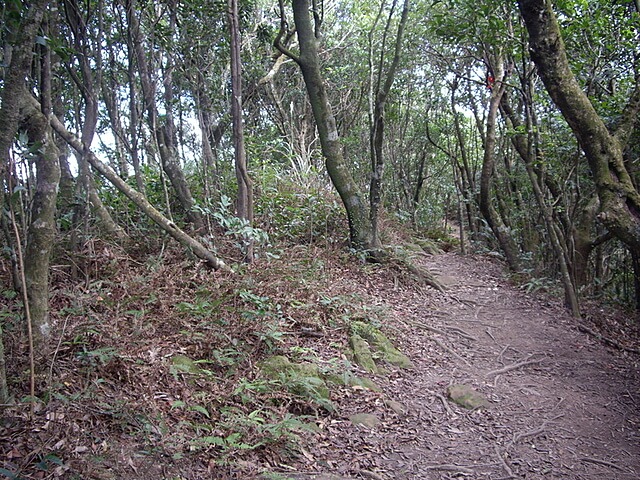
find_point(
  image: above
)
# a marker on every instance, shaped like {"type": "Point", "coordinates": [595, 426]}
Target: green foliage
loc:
{"type": "Point", "coordinates": [232, 225]}
{"type": "Point", "coordinates": [295, 213]}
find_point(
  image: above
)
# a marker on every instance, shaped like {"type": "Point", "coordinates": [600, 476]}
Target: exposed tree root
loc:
{"type": "Point", "coordinates": [607, 340]}
{"type": "Point", "coordinates": [450, 468]}
{"type": "Point", "coordinates": [421, 274]}
{"type": "Point", "coordinates": [513, 366]}
{"type": "Point", "coordinates": [602, 462]}
{"type": "Point", "coordinates": [504, 463]}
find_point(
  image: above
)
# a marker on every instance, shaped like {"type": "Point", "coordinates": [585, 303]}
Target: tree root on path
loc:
{"type": "Point", "coordinates": [536, 431]}
{"type": "Point", "coordinates": [422, 274]}
{"type": "Point", "coordinates": [602, 462]}
{"type": "Point", "coordinates": [457, 330]}
{"type": "Point", "coordinates": [513, 366]}
{"type": "Point", "coordinates": [370, 474]}
{"type": "Point", "coordinates": [449, 350]}
{"type": "Point", "coordinates": [607, 340]}
{"type": "Point", "coordinates": [504, 463]}
{"type": "Point", "coordinates": [447, 467]}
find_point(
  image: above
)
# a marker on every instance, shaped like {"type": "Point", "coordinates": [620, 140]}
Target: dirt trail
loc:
{"type": "Point", "coordinates": [561, 405]}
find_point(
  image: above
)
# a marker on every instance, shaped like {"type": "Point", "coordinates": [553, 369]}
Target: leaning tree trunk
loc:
{"type": "Point", "coordinates": [139, 200]}
{"type": "Point", "coordinates": [360, 230]}
{"type": "Point", "coordinates": [619, 198]}
{"type": "Point", "coordinates": [505, 240]}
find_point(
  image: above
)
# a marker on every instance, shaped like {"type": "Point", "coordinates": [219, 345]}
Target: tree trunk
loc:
{"type": "Point", "coordinates": [502, 234]}
{"type": "Point", "coordinates": [42, 229]}
{"type": "Point", "coordinates": [377, 123]}
{"type": "Point", "coordinates": [86, 83]}
{"type": "Point", "coordinates": [525, 146]}
{"type": "Point", "coordinates": [12, 93]}
{"type": "Point", "coordinates": [360, 229]}
{"type": "Point", "coordinates": [245, 186]}
{"type": "Point", "coordinates": [164, 134]}
{"type": "Point", "coordinates": [137, 198]}
{"type": "Point", "coordinates": [619, 199]}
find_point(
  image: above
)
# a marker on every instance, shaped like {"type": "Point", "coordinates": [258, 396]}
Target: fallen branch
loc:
{"type": "Point", "coordinates": [607, 340]}
{"type": "Point", "coordinates": [602, 462]}
{"type": "Point", "coordinates": [513, 366]}
{"type": "Point", "coordinates": [447, 467]}
{"type": "Point", "coordinates": [504, 463]}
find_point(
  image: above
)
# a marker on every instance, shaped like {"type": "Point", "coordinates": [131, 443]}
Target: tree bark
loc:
{"type": "Point", "coordinates": [619, 199]}
{"type": "Point", "coordinates": [137, 198]}
{"type": "Point", "coordinates": [13, 87]}
{"type": "Point", "coordinates": [245, 186]}
{"type": "Point", "coordinates": [42, 229]}
{"type": "Point", "coordinates": [499, 229]}
{"type": "Point", "coordinates": [361, 234]}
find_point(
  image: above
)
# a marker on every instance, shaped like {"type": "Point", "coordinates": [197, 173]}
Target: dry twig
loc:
{"type": "Point", "coordinates": [513, 366]}
{"type": "Point", "coordinates": [602, 462]}
{"type": "Point", "coordinates": [607, 340]}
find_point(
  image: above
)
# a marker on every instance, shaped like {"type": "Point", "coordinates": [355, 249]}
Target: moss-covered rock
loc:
{"type": "Point", "coordinates": [347, 378]}
{"type": "Point", "coordinates": [303, 379]}
{"type": "Point", "coordinates": [362, 353]}
{"type": "Point", "coordinates": [466, 397]}
{"type": "Point", "coordinates": [367, 338]}
{"type": "Point", "coordinates": [365, 419]}
{"type": "Point", "coordinates": [183, 364]}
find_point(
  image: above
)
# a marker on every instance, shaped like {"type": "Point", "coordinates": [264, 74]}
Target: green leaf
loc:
{"type": "Point", "coordinates": [213, 441]}
{"type": "Point", "coordinates": [200, 409]}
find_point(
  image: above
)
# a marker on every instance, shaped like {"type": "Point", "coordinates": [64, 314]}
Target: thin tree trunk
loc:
{"type": "Point", "coordinates": [377, 124]}
{"type": "Point", "coordinates": [525, 146]}
{"type": "Point", "coordinates": [164, 134]}
{"type": "Point", "coordinates": [505, 240]}
{"type": "Point", "coordinates": [360, 230]}
{"type": "Point", "coordinates": [137, 198]}
{"type": "Point", "coordinates": [245, 186]}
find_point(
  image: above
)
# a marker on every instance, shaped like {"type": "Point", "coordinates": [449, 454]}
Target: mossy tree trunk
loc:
{"type": "Point", "coordinates": [360, 228]}
{"type": "Point", "coordinates": [489, 212]}
{"type": "Point", "coordinates": [619, 199]}
{"type": "Point", "coordinates": [42, 229]}
{"type": "Point", "coordinates": [21, 35]}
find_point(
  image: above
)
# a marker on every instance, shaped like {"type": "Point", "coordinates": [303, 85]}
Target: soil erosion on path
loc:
{"type": "Point", "coordinates": [559, 403]}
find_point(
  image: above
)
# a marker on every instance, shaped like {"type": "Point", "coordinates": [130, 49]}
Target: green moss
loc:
{"type": "Point", "coordinates": [379, 344]}
{"type": "Point", "coordinates": [303, 379]}
{"type": "Point", "coordinates": [362, 353]}
{"type": "Point", "coordinates": [183, 364]}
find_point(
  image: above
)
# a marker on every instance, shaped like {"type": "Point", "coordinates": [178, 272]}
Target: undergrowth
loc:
{"type": "Point", "coordinates": [155, 358]}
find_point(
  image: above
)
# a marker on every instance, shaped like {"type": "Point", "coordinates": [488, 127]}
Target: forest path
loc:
{"type": "Point", "coordinates": [561, 405]}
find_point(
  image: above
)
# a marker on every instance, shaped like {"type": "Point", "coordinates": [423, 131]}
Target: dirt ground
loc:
{"type": "Point", "coordinates": [561, 404]}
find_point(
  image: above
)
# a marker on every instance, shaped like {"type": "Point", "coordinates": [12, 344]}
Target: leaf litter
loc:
{"type": "Point", "coordinates": [560, 402]}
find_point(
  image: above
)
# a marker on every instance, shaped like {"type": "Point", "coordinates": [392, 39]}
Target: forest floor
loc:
{"type": "Point", "coordinates": [559, 401]}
